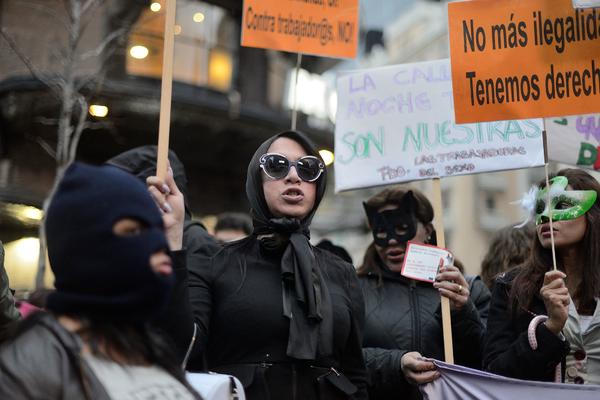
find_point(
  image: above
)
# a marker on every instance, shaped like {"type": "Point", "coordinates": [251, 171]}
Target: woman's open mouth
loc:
{"type": "Point", "coordinates": [293, 195]}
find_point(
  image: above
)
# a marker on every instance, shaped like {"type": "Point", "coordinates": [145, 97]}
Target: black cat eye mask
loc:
{"type": "Point", "coordinates": [399, 224]}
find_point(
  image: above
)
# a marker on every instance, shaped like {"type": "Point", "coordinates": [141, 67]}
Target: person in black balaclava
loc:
{"type": "Point", "coordinates": [279, 314]}
{"type": "Point", "coordinates": [109, 252]}
{"type": "Point", "coordinates": [198, 247]}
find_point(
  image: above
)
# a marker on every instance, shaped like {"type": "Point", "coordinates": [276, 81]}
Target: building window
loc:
{"type": "Point", "coordinates": [205, 39]}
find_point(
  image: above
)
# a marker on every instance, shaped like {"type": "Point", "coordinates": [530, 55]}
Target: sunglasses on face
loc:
{"type": "Point", "coordinates": [277, 166]}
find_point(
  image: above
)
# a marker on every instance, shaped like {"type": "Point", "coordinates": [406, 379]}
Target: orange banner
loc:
{"type": "Point", "coordinates": [517, 59]}
{"type": "Point", "coordinates": [320, 27]}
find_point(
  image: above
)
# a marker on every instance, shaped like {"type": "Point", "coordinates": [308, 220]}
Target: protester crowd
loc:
{"type": "Point", "coordinates": [143, 293]}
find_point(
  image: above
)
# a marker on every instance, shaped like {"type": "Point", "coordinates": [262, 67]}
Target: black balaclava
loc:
{"type": "Point", "coordinates": [305, 294]}
{"type": "Point", "coordinates": [97, 273]}
{"type": "Point", "coordinates": [387, 221]}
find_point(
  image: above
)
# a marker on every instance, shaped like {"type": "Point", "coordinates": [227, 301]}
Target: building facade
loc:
{"type": "Point", "coordinates": [105, 63]}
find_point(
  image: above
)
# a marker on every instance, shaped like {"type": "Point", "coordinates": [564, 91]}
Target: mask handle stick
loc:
{"type": "Point", "coordinates": [548, 198]}
{"type": "Point", "coordinates": [295, 99]}
{"type": "Point", "coordinates": [441, 242]}
{"type": "Point", "coordinates": [165, 91]}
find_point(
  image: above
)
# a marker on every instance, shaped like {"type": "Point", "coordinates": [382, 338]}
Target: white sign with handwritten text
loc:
{"type": "Point", "coordinates": [396, 124]}
{"type": "Point", "coordinates": [586, 3]}
{"type": "Point", "coordinates": [575, 140]}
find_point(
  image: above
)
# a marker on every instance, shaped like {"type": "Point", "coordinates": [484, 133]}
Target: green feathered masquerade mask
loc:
{"type": "Point", "coordinates": [564, 204]}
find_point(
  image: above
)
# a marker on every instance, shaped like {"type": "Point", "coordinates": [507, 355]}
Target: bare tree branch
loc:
{"type": "Point", "coordinates": [46, 146]}
{"type": "Point", "coordinates": [87, 15]}
{"type": "Point", "coordinates": [78, 21]}
{"type": "Point", "coordinates": [74, 28]}
{"type": "Point", "coordinates": [57, 58]}
{"type": "Point", "coordinates": [43, 144]}
{"type": "Point", "coordinates": [71, 121]}
{"type": "Point", "coordinates": [89, 3]}
{"type": "Point", "coordinates": [67, 7]}
{"type": "Point", "coordinates": [83, 82]}
{"type": "Point", "coordinates": [46, 10]}
{"type": "Point", "coordinates": [101, 63]}
{"type": "Point", "coordinates": [32, 69]}
{"type": "Point", "coordinates": [98, 75]}
{"type": "Point", "coordinates": [102, 46]}
{"type": "Point", "coordinates": [81, 122]}
{"type": "Point", "coordinates": [65, 124]}
{"type": "Point", "coordinates": [46, 121]}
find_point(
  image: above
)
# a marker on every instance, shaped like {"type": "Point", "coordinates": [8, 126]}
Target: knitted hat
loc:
{"type": "Point", "coordinates": [98, 273]}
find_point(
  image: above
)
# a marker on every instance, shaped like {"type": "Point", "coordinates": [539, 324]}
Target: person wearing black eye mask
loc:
{"type": "Point", "coordinates": [399, 224]}
{"type": "Point", "coordinates": [403, 321]}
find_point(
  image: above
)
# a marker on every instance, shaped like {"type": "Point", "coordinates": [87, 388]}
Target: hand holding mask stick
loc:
{"type": "Point", "coordinates": [553, 203]}
{"type": "Point", "coordinates": [556, 203]}
{"type": "Point", "coordinates": [548, 198]}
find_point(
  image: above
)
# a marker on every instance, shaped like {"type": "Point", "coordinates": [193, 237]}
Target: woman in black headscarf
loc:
{"type": "Point", "coordinates": [279, 314]}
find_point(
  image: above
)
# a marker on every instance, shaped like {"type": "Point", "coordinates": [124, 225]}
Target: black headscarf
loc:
{"type": "Point", "coordinates": [306, 301]}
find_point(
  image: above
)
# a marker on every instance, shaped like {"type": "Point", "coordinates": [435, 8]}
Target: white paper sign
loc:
{"type": "Point", "coordinates": [586, 3]}
{"type": "Point", "coordinates": [395, 124]}
{"type": "Point", "coordinates": [574, 140]}
{"type": "Point", "coordinates": [422, 261]}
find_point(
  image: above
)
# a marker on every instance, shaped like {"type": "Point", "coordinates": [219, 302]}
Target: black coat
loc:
{"type": "Point", "coordinates": [507, 351]}
{"type": "Point", "coordinates": [238, 305]}
{"type": "Point", "coordinates": [403, 315]}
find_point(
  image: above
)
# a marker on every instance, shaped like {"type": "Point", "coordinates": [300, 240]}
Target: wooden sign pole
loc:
{"type": "Point", "coordinates": [548, 196]}
{"type": "Point", "coordinates": [441, 242]}
{"type": "Point", "coordinates": [165, 92]}
{"type": "Point", "coordinates": [295, 102]}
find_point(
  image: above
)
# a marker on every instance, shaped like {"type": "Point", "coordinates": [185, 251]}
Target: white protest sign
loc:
{"type": "Point", "coordinates": [574, 140]}
{"type": "Point", "coordinates": [396, 124]}
{"type": "Point", "coordinates": [423, 261]}
{"type": "Point", "coordinates": [586, 3]}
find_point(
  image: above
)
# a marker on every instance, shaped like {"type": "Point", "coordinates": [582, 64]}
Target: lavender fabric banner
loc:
{"type": "Point", "coordinates": [462, 383]}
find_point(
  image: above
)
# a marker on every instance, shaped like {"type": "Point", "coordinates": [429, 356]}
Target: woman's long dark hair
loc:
{"type": "Point", "coordinates": [530, 277]}
{"type": "Point", "coordinates": [510, 248]}
{"type": "Point", "coordinates": [124, 343]}
{"type": "Point", "coordinates": [424, 214]}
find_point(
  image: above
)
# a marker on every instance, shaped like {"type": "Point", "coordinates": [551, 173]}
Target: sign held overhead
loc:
{"type": "Point", "coordinates": [396, 124]}
{"type": "Point", "coordinates": [319, 27]}
{"type": "Point", "coordinates": [517, 59]}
